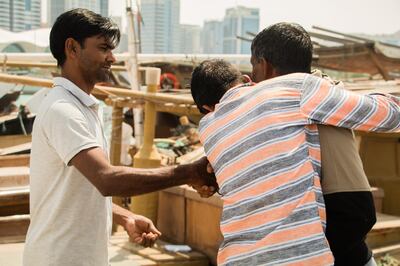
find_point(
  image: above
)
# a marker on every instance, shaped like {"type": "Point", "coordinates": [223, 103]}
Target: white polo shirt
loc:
{"type": "Point", "coordinates": [70, 219]}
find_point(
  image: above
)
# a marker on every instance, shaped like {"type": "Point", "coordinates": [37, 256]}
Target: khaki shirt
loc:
{"type": "Point", "coordinates": [342, 169]}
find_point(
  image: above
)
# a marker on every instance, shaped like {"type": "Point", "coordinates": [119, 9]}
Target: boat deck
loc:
{"type": "Point", "coordinates": [121, 253]}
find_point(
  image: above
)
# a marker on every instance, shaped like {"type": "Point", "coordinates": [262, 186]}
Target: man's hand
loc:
{"type": "Point", "coordinates": [141, 230]}
{"type": "Point", "coordinates": [203, 179]}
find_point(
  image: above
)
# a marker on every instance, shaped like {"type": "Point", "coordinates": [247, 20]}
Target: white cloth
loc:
{"type": "Point", "coordinates": [70, 219]}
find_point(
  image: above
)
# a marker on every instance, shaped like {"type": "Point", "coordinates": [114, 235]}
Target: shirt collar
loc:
{"type": "Point", "coordinates": [87, 99]}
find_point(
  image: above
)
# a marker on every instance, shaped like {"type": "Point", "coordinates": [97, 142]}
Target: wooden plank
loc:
{"type": "Point", "coordinates": [14, 177]}
{"type": "Point", "coordinates": [385, 232]}
{"type": "Point", "coordinates": [393, 250]}
{"type": "Point", "coordinates": [14, 160]}
{"type": "Point", "coordinates": [378, 195]}
{"type": "Point", "coordinates": [16, 149]}
{"type": "Point", "coordinates": [158, 254]}
{"type": "Point", "coordinates": [151, 97]}
{"type": "Point", "coordinates": [13, 226]}
{"type": "Point", "coordinates": [171, 216]}
{"type": "Point", "coordinates": [385, 221]}
{"type": "Point", "coordinates": [14, 196]}
{"type": "Point", "coordinates": [202, 227]}
{"type": "Point", "coordinates": [12, 140]}
{"type": "Point", "coordinates": [332, 38]}
{"type": "Point", "coordinates": [378, 64]}
{"type": "Point", "coordinates": [343, 34]}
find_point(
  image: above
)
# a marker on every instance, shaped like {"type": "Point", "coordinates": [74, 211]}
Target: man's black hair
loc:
{"type": "Point", "coordinates": [80, 24]}
{"type": "Point", "coordinates": [210, 80]}
{"type": "Point", "coordinates": [286, 46]}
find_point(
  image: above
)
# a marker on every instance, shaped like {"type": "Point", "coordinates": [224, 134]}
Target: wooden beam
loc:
{"type": "Point", "coordinates": [101, 90]}
{"type": "Point", "coordinates": [344, 34]}
{"type": "Point", "coordinates": [17, 149]}
{"type": "Point", "coordinates": [28, 64]}
{"type": "Point", "coordinates": [331, 38]}
{"type": "Point", "coordinates": [14, 160]}
{"type": "Point", "coordinates": [378, 64]}
{"type": "Point", "coordinates": [12, 140]}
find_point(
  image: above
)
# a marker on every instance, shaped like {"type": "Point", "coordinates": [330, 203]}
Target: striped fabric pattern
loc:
{"type": "Point", "coordinates": [263, 144]}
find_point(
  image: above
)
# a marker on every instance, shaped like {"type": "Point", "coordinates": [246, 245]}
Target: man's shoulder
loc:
{"type": "Point", "coordinates": [60, 103]}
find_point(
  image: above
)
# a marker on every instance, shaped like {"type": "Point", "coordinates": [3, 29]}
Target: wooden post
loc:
{"type": "Point", "coordinates": [116, 134]}
{"type": "Point", "coordinates": [148, 156]}
{"type": "Point", "coordinates": [115, 143]}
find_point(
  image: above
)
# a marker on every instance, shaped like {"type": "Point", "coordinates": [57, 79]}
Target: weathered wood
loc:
{"type": "Point", "coordinates": [392, 250]}
{"type": "Point", "coordinates": [148, 156]}
{"type": "Point", "coordinates": [385, 232]}
{"type": "Point", "coordinates": [333, 39]}
{"type": "Point", "coordinates": [13, 228]}
{"type": "Point", "coordinates": [14, 196]}
{"type": "Point", "coordinates": [380, 154]}
{"type": "Point", "coordinates": [378, 64]}
{"type": "Point", "coordinates": [14, 176]}
{"type": "Point", "coordinates": [12, 140]}
{"type": "Point", "coordinates": [16, 149]}
{"type": "Point", "coordinates": [202, 227]}
{"type": "Point", "coordinates": [158, 255]}
{"type": "Point", "coordinates": [151, 97]}
{"type": "Point", "coordinates": [378, 195]}
{"type": "Point", "coordinates": [29, 64]}
{"type": "Point", "coordinates": [171, 215]}
{"type": "Point", "coordinates": [14, 160]}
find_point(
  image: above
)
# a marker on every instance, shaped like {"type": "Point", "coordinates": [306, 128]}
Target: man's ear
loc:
{"type": "Point", "coordinates": [71, 48]}
{"type": "Point", "coordinates": [246, 79]}
{"type": "Point", "coordinates": [208, 108]}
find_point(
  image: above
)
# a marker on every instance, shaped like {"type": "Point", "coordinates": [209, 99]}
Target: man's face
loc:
{"type": "Point", "coordinates": [96, 58]}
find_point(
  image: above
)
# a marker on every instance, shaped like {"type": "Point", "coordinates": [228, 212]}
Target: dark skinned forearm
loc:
{"type": "Point", "coordinates": [125, 181]}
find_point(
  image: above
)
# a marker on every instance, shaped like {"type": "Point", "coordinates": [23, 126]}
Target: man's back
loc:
{"type": "Point", "coordinates": [265, 156]}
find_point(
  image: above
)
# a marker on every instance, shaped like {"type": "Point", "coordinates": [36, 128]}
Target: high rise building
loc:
{"type": "Point", "coordinates": [104, 8]}
{"type": "Point", "coordinates": [160, 32]}
{"type": "Point", "coordinates": [20, 15]}
{"type": "Point", "coordinates": [190, 39]}
{"type": "Point", "coordinates": [212, 37]}
{"type": "Point", "coordinates": [237, 22]}
{"type": "Point", "coordinates": [57, 7]}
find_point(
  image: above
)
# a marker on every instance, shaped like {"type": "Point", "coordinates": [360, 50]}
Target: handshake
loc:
{"type": "Point", "coordinates": [202, 177]}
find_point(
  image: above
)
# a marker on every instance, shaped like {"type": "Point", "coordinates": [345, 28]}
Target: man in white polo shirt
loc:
{"type": "Point", "coordinates": [71, 177]}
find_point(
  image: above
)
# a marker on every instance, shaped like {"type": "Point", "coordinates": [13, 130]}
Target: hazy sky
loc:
{"type": "Point", "coordinates": [367, 16]}
{"type": "Point", "coordinates": [349, 16]}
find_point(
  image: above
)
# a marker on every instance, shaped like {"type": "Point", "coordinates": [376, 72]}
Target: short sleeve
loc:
{"type": "Point", "coordinates": [67, 130]}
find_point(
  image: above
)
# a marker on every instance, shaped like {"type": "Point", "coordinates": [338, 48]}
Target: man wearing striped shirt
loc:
{"type": "Point", "coordinates": [285, 48]}
{"type": "Point", "coordinates": [262, 141]}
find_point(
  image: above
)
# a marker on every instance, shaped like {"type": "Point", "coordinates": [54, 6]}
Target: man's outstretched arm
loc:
{"type": "Point", "coordinates": [126, 181]}
{"type": "Point", "coordinates": [324, 103]}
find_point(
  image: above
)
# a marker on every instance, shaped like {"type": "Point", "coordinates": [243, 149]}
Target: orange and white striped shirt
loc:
{"type": "Point", "coordinates": [263, 144]}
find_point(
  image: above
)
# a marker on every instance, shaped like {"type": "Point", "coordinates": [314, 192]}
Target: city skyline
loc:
{"type": "Point", "coordinates": [356, 16]}
{"type": "Point", "coordinates": [20, 15]}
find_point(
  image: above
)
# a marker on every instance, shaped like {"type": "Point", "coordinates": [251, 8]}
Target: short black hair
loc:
{"type": "Point", "coordinates": [286, 46]}
{"type": "Point", "coordinates": [210, 80]}
{"type": "Point", "coordinates": [80, 24]}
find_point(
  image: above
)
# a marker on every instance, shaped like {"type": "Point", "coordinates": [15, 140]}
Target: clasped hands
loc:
{"type": "Point", "coordinates": [203, 178]}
